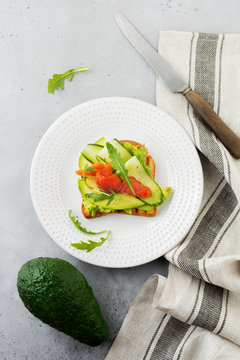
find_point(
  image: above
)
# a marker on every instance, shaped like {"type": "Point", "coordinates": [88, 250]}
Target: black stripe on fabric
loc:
{"type": "Point", "coordinates": [200, 213]}
{"type": "Point", "coordinates": [211, 307]}
{"type": "Point", "coordinates": [225, 315]}
{"type": "Point", "coordinates": [154, 335]}
{"type": "Point", "coordinates": [205, 85]}
{"type": "Point", "coordinates": [182, 347]}
{"type": "Point", "coordinates": [207, 230]}
{"type": "Point", "coordinates": [170, 339]}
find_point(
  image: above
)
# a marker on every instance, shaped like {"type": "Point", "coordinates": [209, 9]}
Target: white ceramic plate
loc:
{"type": "Point", "coordinates": [134, 240]}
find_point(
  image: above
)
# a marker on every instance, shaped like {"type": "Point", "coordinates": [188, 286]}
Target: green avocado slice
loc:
{"type": "Point", "coordinates": [166, 191]}
{"type": "Point", "coordinates": [122, 201]}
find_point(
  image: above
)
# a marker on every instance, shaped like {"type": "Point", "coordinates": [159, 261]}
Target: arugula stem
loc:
{"type": "Point", "coordinates": [77, 223]}
{"type": "Point", "coordinates": [74, 71]}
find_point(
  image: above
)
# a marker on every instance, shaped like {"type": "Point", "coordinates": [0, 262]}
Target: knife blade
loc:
{"type": "Point", "coordinates": [168, 75]}
{"type": "Point", "coordinates": [176, 84]}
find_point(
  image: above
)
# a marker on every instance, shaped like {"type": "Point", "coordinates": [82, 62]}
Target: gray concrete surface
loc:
{"type": "Point", "coordinates": [37, 39]}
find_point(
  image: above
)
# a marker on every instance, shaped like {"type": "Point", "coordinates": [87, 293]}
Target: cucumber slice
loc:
{"type": "Point", "coordinates": [166, 192]}
{"type": "Point", "coordinates": [101, 141]}
{"type": "Point", "coordinates": [90, 152]}
{"type": "Point", "coordinates": [123, 151]}
{"type": "Point", "coordinates": [82, 162]}
{"type": "Point", "coordinates": [122, 202]}
{"type": "Point", "coordinates": [136, 169]}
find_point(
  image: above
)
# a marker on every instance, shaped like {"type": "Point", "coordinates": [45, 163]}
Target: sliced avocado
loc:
{"type": "Point", "coordinates": [166, 191]}
{"type": "Point", "coordinates": [90, 152]}
{"type": "Point", "coordinates": [128, 211]}
{"type": "Point", "coordinates": [122, 201]}
{"type": "Point", "coordinates": [55, 292]}
{"type": "Point", "coordinates": [94, 209]}
{"type": "Point", "coordinates": [101, 141]}
{"type": "Point", "coordinates": [146, 207]}
{"type": "Point", "coordinates": [122, 150]}
{"type": "Point", "coordinates": [82, 162]}
{"type": "Point", "coordinates": [136, 169]}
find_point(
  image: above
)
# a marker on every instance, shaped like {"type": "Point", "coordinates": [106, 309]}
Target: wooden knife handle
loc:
{"type": "Point", "coordinates": [214, 122]}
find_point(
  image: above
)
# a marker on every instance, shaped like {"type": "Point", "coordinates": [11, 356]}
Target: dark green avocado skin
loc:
{"type": "Point", "coordinates": [55, 292]}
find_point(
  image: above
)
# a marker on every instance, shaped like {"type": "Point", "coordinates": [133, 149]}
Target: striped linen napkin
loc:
{"type": "Point", "coordinates": [194, 313]}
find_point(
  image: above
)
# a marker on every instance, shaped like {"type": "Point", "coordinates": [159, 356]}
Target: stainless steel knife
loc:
{"type": "Point", "coordinates": [177, 85]}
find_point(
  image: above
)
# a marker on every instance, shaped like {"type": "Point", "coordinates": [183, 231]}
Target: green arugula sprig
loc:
{"type": "Point", "coordinates": [103, 196]}
{"type": "Point", "coordinates": [87, 169]}
{"type": "Point", "coordinates": [77, 223]}
{"type": "Point", "coordinates": [116, 160]}
{"type": "Point", "coordinates": [58, 80]}
{"type": "Point", "coordinates": [91, 244]}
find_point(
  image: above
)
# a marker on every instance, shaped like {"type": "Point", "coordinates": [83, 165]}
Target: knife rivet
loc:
{"type": "Point", "coordinates": [186, 90]}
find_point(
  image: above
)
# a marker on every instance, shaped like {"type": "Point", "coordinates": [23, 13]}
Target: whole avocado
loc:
{"type": "Point", "coordinates": [55, 292]}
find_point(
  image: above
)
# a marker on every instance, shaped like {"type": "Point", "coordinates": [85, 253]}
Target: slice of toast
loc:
{"type": "Point", "coordinates": [136, 211]}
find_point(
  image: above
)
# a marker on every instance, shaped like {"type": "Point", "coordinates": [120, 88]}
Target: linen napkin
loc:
{"type": "Point", "coordinates": [194, 313]}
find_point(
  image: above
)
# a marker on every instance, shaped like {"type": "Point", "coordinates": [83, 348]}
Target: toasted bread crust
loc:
{"type": "Point", "coordinates": [137, 212]}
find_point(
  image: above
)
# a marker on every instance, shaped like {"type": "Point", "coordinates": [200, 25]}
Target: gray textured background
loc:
{"type": "Point", "coordinates": [37, 39]}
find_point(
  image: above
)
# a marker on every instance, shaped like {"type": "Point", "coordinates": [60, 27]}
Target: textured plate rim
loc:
{"type": "Point", "coordinates": [55, 123]}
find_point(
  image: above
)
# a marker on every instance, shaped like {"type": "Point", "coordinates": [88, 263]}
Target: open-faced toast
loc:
{"type": "Point", "coordinates": [139, 212]}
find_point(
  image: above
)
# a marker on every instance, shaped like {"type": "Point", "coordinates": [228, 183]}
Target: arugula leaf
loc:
{"type": "Point", "coordinates": [103, 196]}
{"type": "Point", "coordinates": [88, 169]}
{"type": "Point", "coordinates": [57, 80]}
{"type": "Point", "coordinates": [100, 197]}
{"type": "Point", "coordinates": [114, 196]}
{"type": "Point", "coordinates": [116, 160]}
{"type": "Point", "coordinates": [77, 223]}
{"type": "Point", "coordinates": [91, 244]}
